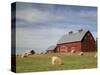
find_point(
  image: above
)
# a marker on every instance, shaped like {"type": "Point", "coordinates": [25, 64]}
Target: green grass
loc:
{"type": "Point", "coordinates": [42, 62]}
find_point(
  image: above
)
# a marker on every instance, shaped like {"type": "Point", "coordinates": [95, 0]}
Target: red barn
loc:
{"type": "Point", "coordinates": [78, 41]}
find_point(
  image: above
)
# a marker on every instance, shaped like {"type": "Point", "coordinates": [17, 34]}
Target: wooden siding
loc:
{"type": "Point", "coordinates": [68, 47]}
{"type": "Point", "coordinates": [88, 43]}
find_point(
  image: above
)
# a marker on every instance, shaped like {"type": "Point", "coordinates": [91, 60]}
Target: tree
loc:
{"type": "Point", "coordinates": [32, 52]}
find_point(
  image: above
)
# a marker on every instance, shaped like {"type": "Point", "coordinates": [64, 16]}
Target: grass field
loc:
{"type": "Point", "coordinates": [42, 62]}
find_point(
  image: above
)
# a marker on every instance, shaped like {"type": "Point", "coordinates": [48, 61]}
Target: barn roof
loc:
{"type": "Point", "coordinates": [72, 37]}
{"type": "Point", "coordinates": [51, 48]}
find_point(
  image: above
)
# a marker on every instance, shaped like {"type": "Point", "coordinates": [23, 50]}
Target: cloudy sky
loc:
{"type": "Point", "coordinates": [39, 26]}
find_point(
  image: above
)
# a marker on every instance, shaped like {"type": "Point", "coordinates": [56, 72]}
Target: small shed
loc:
{"type": "Point", "coordinates": [51, 49]}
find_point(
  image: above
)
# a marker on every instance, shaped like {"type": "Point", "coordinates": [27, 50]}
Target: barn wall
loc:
{"type": "Point", "coordinates": [88, 43]}
{"type": "Point", "coordinates": [68, 47]}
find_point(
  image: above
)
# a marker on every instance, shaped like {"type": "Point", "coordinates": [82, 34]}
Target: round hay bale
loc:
{"type": "Point", "coordinates": [95, 56]}
{"type": "Point", "coordinates": [42, 53]}
{"type": "Point", "coordinates": [24, 55]}
{"type": "Point", "coordinates": [29, 54]}
{"type": "Point", "coordinates": [56, 60]}
{"type": "Point", "coordinates": [37, 53]}
{"type": "Point", "coordinates": [81, 54]}
{"type": "Point", "coordinates": [17, 54]}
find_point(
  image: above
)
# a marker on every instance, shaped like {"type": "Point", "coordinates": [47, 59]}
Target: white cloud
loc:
{"type": "Point", "coordinates": [32, 15]}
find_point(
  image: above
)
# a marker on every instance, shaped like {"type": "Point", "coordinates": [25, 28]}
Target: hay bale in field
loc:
{"type": "Point", "coordinates": [41, 53]}
{"type": "Point", "coordinates": [56, 60]}
{"type": "Point", "coordinates": [27, 53]}
{"type": "Point", "coordinates": [72, 51]}
{"type": "Point", "coordinates": [95, 56]}
{"type": "Point", "coordinates": [24, 55]}
{"type": "Point", "coordinates": [81, 54]}
{"type": "Point", "coordinates": [17, 54]}
{"type": "Point", "coordinates": [37, 53]}
{"type": "Point", "coordinates": [30, 52]}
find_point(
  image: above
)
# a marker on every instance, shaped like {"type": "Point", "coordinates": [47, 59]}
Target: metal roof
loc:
{"type": "Point", "coordinates": [72, 37]}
